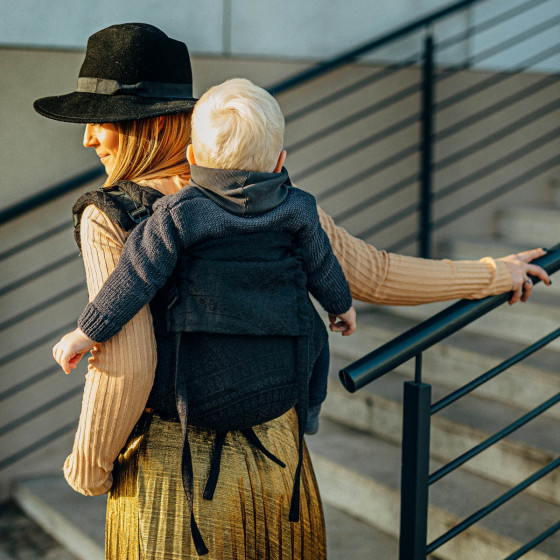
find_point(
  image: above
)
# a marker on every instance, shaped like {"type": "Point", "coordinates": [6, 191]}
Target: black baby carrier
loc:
{"type": "Point", "coordinates": [236, 336]}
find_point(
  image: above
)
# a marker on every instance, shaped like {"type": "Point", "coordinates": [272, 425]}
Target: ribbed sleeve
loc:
{"type": "Point", "coordinates": [120, 371]}
{"type": "Point", "coordinates": [390, 279]}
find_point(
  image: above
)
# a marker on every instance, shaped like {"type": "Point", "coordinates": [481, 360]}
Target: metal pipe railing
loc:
{"type": "Point", "coordinates": [426, 334]}
{"type": "Point", "coordinates": [498, 436]}
{"type": "Point", "coordinates": [16, 210]}
{"type": "Point", "coordinates": [483, 512]}
{"type": "Point", "coordinates": [353, 54]}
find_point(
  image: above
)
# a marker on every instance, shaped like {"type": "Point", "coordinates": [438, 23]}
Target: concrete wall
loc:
{"type": "Point", "coordinates": [285, 29]}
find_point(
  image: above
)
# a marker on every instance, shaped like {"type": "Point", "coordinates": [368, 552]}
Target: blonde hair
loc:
{"type": "Point", "coordinates": [147, 147]}
{"type": "Point", "coordinates": [237, 125]}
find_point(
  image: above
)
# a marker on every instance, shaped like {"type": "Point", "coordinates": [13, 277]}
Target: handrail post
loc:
{"type": "Point", "coordinates": [426, 149]}
{"type": "Point", "coordinates": [415, 469]}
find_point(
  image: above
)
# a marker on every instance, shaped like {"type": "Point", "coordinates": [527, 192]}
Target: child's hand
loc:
{"type": "Point", "coordinates": [347, 323]}
{"type": "Point", "coordinates": [69, 350]}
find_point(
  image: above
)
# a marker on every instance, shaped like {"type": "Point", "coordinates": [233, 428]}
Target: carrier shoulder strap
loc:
{"type": "Point", "coordinates": [125, 203]}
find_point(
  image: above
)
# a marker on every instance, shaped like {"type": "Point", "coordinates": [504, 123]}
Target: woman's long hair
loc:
{"type": "Point", "coordinates": [147, 147]}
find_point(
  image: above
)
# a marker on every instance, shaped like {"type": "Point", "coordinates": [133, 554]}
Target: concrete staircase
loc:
{"type": "Point", "coordinates": [357, 451]}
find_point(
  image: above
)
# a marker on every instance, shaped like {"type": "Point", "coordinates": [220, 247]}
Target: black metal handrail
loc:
{"type": "Point", "coordinates": [414, 341]}
{"type": "Point", "coordinates": [440, 541]}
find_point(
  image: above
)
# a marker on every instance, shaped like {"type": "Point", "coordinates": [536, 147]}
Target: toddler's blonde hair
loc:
{"type": "Point", "coordinates": [237, 125]}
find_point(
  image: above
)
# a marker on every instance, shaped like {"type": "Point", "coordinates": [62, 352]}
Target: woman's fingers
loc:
{"type": "Point", "coordinates": [534, 270]}
{"type": "Point", "coordinates": [521, 268]}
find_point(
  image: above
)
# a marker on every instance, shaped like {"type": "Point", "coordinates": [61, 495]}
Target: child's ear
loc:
{"type": "Point", "coordinates": [281, 160]}
{"type": "Point", "coordinates": [190, 155]}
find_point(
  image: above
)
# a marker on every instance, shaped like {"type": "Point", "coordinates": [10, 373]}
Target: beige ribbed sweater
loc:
{"type": "Point", "coordinates": [120, 371]}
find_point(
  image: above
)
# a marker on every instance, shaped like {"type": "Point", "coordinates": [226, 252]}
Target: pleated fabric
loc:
{"type": "Point", "coordinates": [147, 513]}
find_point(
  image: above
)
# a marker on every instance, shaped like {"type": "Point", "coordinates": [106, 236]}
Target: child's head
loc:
{"type": "Point", "coordinates": [237, 125]}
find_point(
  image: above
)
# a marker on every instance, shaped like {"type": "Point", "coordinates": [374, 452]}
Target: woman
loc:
{"type": "Point", "coordinates": [136, 82]}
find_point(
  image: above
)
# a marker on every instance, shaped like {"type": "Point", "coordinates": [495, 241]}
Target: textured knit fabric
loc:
{"type": "Point", "coordinates": [148, 518]}
{"type": "Point", "coordinates": [120, 371]}
{"type": "Point", "coordinates": [191, 217]}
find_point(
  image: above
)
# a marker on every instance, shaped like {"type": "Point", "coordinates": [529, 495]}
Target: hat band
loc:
{"type": "Point", "coordinates": [105, 86]}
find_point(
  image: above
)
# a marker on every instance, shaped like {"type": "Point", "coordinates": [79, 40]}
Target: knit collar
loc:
{"type": "Point", "coordinates": [241, 192]}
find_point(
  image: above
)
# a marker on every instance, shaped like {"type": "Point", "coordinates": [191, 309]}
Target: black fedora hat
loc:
{"type": "Point", "coordinates": [131, 71]}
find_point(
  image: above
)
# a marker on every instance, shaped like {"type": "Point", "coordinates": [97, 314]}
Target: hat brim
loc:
{"type": "Point", "coordinates": [82, 107]}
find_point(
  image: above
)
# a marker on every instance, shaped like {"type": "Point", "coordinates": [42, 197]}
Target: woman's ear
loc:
{"type": "Point", "coordinates": [190, 155]}
{"type": "Point", "coordinates": [281, 160]}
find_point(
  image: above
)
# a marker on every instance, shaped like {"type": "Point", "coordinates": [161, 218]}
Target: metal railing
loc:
{"type": "Point", "coordinates": [38, 422]}
{"type": "Point", "coordinates": [418, 183]}
{"type": "Point", "coordinates": [418, 410]}
{"type": "Point", "coordinates": [416, 159]}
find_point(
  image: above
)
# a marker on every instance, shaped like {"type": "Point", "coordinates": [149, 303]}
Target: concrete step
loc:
{"type": "Point", "coordinates": [458, 360]}
{"type": "Point", "coordinates": [360, 474]}
{"type": "Point", "coordinates": [536, 226]}
{"type": "Point", "coordinates": [522, 323]}
{"type": "Point", "coordinates": [78, 522]}
{"type": "Point", "coordinates": [377, 409]}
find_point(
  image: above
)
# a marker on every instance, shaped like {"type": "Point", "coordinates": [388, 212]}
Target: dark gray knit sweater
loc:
{"type": "Point", "coordinates": [218, 204]}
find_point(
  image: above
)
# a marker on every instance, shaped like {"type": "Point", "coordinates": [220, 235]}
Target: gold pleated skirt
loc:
{"type": "Point", "coordinates": [147, 513]}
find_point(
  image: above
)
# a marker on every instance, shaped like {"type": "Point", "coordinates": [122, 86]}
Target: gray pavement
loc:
{"type": "Point", "coordinates": [22, 539]}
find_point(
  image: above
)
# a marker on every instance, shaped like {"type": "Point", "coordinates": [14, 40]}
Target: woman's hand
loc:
{"type": "Point", "coordinates": [347, 323]}
{"type": "Point", "coordinates": [520, 268]}
{"type": "Point", "coordinates": [69, 350]}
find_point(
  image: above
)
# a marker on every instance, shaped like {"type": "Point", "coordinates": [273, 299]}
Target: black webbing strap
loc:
{"type": "Point", "coordinates": [214, 466]}
{"type": "Point", "coordinates": [253, 439]}
{"type": "Point", "coordinates": [301, 410]}
{"type": "Point", "coordinates": [186, 458]}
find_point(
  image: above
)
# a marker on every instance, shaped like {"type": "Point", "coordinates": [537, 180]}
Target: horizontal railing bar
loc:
{"type": "Point", "coordinates": [446, 191]}
{"type": "Point", "coordinates": [376, 197]}
{"type": "Point", "coordinates": [535, 542]}
{"type": "Point", "coordinates": [505, 188]}
{"type": "Point", "coordinates": [360, 145]}
{"type": "Point", "coordinates": [510, 157]}
{"type": "Point", "coordinates": [42, 305]}
{"type": "Point", "coordinates": [366, 173]}
{"type": "Point", "coordinates": [498, 436]}
{"type": "Point", "coordinates": [438, 327]}
{"type": "Point", "coordinates": [31, 415]}
{"type": "Point", "coordinates": [515, 40]}
{"type": "Point", "coordinates": [512, 127]}
{"type": "Point", "coordinates": [37, 342]}
{"type": "Point", "coordinates": [38, 273]}
{"type": "Point", "coordinates": [492, 80]}
{"type": "Point", "coordinates": [492, 506]}
{"type": "Point", "coordinates": [350, 89]}
{"type": "Point", "coordinates": [477, 203]}
{"type": "Point", "coordinates": [403, 242]}
{"type": "Point", "coordinates": [355, 53]}
{"type": "Point", "coordinates": [18, 387]}
{"type": "Point", "coordinates": [389, 220]}
{"type": "Point", "coordinates": [39, 444]}
{"type": "Point", "coordinates": [49, 194]}
{"type": "Point", "coordinates": [36, 239]}
{"type": "Point", "coordinates": [488, 24]}
{"type": "Point", "coordinates": [356, 117]}
{"type": "Point", "coordinates": [490, 374]}
{"type": "Point", "coordinates": [498, 106]}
